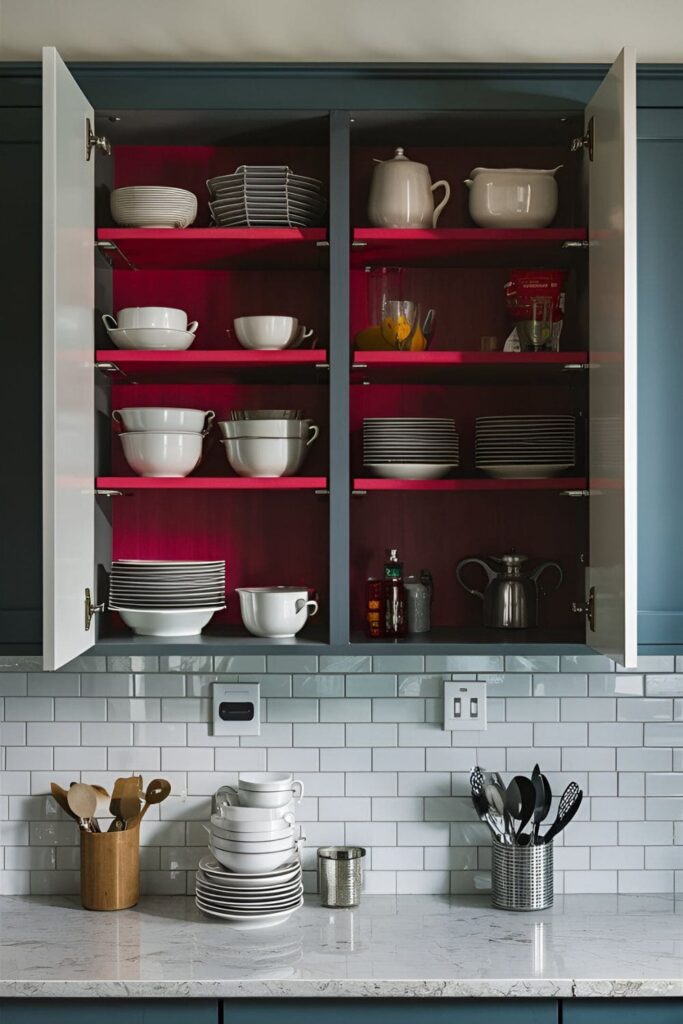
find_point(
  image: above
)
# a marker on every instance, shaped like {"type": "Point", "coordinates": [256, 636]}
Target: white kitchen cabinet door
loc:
{"type": "Point", "coordinates": [68, 354]}
{"type": "Point", "coordinates": [612, 400]}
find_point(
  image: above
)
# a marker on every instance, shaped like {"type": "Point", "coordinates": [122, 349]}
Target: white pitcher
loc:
{"type": "Point", "coordinates": [401, 194]}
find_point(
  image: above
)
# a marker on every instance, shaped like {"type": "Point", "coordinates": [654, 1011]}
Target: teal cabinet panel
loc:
{"type": "Point", "coordinates": [623, 1011]}
{"type": "Point", "coordinates": [391, 1011]}
{"type": "Point", "coordinates": [109, 1011]}
{"type": "Point", "coordinates": [660, 384]}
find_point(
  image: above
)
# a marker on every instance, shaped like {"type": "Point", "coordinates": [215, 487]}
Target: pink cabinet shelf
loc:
{"type": "Point", "coordinates": [220, 364]}
{"type": "Point", "coordinates": [550, 484]}
{"type": "Point", "coordinates": [459, 246]}
{"type": "Point", "coordinates": [211, 483]}
{"type": "Point", "coordinates": [214, 248]}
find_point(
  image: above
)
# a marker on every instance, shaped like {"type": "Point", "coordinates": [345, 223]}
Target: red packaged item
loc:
{"type": "Point", "coordinates": [535, 301]}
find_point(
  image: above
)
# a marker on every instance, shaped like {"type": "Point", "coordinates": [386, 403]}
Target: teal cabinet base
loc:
{"type": "Point", "coordinates": [109, 1011]}
{"type": "Point", "coordinates": [623, 1011]}
{"type": "Point", "coordinates": [392, 1011]}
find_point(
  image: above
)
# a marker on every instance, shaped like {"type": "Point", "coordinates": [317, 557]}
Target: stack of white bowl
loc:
{"type": "Point", "coordinates": [163, 442]}
{"type": "Point", "coordinates": [153, 328]}
{"type": "Point", "coordinates": [153, 206]}
{"type": "Point", "coordinates": [270, 333]}
{"type": "Point", "coordinates": [255, 877]}
{"type": "Point", "coordinates": [267, 445]}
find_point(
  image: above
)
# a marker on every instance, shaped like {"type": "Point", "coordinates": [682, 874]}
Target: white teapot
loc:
{"type": "Point", "coordinates": [401, 194]}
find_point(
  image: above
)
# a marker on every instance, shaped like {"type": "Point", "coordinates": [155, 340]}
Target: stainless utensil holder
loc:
{"type": "Point", "coordinates": [522, 877]}
{"type": "Point", "coordinates": [340, 875]}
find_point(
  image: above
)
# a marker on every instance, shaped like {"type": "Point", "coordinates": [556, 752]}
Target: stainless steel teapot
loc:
{"type": "Point", "coordinates": [511, 595]}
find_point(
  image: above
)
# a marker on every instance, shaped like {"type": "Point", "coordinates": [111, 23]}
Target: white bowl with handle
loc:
{"type": "Point", "coordinates": [242, 846]}
{"type": "Point", "coordinates": [276, 612]}
{"type": "Point", "coordinates": [160, 418]}
{"type": "Point", "coordinates": [150, 316]}
{"type": "Point", "coordinates": [252, 863]}
{"type": "Point", "coordinates": [512, 197]}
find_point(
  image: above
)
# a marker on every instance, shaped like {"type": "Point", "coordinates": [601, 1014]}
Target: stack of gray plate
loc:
{"type": "Point", "coordinates": [157, 598]}
{"type": "Point", "coordinates": [266, 196]}
{"type": "Point", "coordinates": [518, 447]}
{"type": "Point", "coordinates": [410, 447]}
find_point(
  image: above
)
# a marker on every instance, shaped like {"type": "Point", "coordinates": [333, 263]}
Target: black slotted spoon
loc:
{"type": "Point", "coordinates": [570, 801]}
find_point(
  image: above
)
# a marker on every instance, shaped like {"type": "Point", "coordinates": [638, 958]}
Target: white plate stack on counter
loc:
{"type": "Point", "coordinates": [253, 878]}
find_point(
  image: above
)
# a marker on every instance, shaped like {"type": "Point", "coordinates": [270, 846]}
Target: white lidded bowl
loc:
{"type": "Point", "coordinates": [238, 817]}
{"type": "Point", "coordinates": [512, 197]}
{"type": "Point", "coordinates": [265, 332]}
{"type": "Point", "coordinates": [164, 622]}
{"type": "Point", "coordinates": [275, 611]}
{"type": "Point", "coordinates": [242, 846]}
{"type": "Point", "coordinates": [252, 863]}
{"type": "Point", "coordinates": [162, 454]}
{"type": "Point", "coordinates": [151, 316]}
{"type": "Point", "coordinates": [159, 418]}
{"type": "Point", "coordinates": [265, 456]}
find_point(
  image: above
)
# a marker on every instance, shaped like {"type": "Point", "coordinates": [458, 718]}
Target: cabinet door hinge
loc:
{"type": "Point", "coordinates": [90, 609]}
{"type": "Point", "coordinates": [93, 141]}
{"type": "Point", "coordinates": [585, 141]}
{"type": "Point", "coordinates": [587, 609]}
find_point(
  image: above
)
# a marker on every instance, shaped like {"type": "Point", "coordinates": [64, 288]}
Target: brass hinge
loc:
{"type": "Point", "coordinates": [102, 492]}
{"type": "Point", "coordinates": [323, 245]}
{"type": "Point", "coordinates": [90, 609]}
{"type": "Point", "coordinates": [587, 609]}
{"type": "Point", "coordinates": [359, 245]}
{"type": "Point", "coordinates": [575, 494]}
{"type": "Point", "coordinates": [93, 141]}
{"type": "Point", "coordinates": [322, 492]}
{"type": "Point", "coordinates": [585, 141]}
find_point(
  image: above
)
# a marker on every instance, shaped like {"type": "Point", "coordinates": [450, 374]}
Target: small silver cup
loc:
{"type": "Point", "coordinates": [340, 875]}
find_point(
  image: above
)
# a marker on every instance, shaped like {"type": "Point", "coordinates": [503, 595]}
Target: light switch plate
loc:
{"type": "Point", "coordinates": [236, 709]}
{"type": "Point", "coordinates": [464, 705]}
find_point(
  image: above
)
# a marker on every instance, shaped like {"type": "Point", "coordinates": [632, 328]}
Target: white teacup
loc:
{"type": "Point", "coordinates": [150, 316]}
{"type": "Point", "coordinates": [275, 611]}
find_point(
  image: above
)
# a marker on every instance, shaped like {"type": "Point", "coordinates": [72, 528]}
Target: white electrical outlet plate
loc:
{"type": "Point", "coordinates": [464, 705]}
{"type": "Point", "coordinates": [236, 709]}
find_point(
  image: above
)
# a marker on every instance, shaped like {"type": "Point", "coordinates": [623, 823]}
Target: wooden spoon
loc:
{"type": "Point", "coordinates": [82, 801]}
{"type": "Point", "coordinates": [60, 796]}
{"type": "Point", "coordinates": [157, 791]}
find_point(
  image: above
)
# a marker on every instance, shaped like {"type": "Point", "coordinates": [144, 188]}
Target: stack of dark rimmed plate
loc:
{"type": "Point", "coordinates": [159, 598]}
{"type": "Point", "coordinates": [516, 447]}
{"type": "Point", "coordinates": [266, 196]}
{"type": "Point", "coordinates": [249, 901]}
{"type": "Point", "coordinates": [410, 447]}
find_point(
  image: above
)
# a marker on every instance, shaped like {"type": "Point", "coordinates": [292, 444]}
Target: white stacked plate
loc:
{"type": "Point", "coordinates": [159, 598]}
{"type": "Point", "coordinates": [517, 447]}
{"type": "Point", "coordinates": [151, 206]}
{"type": "Point", "coordinates": [266, 196]}
{"type": "Point", "coordinates": [410, 447]}
{"type": "Point", "coordinates": [249, 901]}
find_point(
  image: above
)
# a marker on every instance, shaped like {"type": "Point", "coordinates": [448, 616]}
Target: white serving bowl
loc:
{"type": "Point", "coordinates": [191, 421]}
{"type": "Point", "coordinates": [266, 332]}
{"type": "Point", "coordinates": [162, 454]}
{"type": "Point", "coordinates": [264, 823]}
{"type": "Point", "coordinates": [149, 316]}
{"type": "Point", "coordinates": [244, 415]}
{"type": "Point", "coordinates": [265, 781]}
{"type": "Point", "coordinates": [252, 863]}
{"type": "Point", "coordinates": [242, 846]}
{"type": "Point", "coordinates": [232, 836]}
{"type": "Point", "coordinates": [512, 197]}
{"type": "Point", "coordinates": [151, 339]}
{"type": "Point", "coordinates": [160, 622]}
{"type": "Point", "coordinates": [265, 456]}
{"type": "Point", "coordinates": [299, 429]}
{"type": "Point", "coordinates": [411, 470]}
{"type": "Point", "coordinates": [152, 206]}
{"type": "Point", "coordinates": [275, 611]}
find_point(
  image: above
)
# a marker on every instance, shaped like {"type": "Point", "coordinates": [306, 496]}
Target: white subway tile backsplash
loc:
{"type": "Point", "coordinates": [398, 709]}
{"type": "Point", "coordinates": [372, 784]}
{"type": "Point", "coordinates": [318, 685]}
{"type": "Point", "coordinates": [379, 769]}
{"type": "Point", "coordinates": [652, 663]}
{"type": "Point", "coordinates": [378, 684]}
{"type": "Point", "coordinates": [361, 734]}
{"type": "Point", "coordinates": [561, 684]}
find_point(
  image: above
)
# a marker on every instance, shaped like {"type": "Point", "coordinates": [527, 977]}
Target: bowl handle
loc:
{"type": "Point", "coordinates": [209, 417]}
{"type": "Point", "coordinates": [109, 322]}
{"type": "Point", "coordinates": [447, 195]}
{"type": "Point", "coordinates": [315, 431]}
{"type": "Point", "coordinates": [226, 796]}
{"type": "Point", "coordinates": [192, 327]}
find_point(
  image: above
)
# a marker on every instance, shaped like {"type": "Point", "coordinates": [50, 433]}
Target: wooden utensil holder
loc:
{"type": "Point", "coordinates": [110, 869]}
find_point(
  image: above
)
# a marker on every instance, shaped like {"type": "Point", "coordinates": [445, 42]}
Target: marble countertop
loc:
{"type": "Point", "coordinates": [389, 946]}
